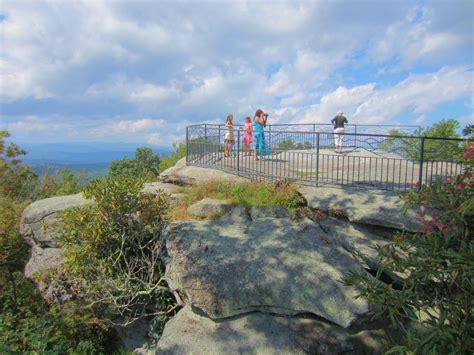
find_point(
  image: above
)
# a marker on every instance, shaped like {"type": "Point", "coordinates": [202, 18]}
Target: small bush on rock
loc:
{"type": "Point", "coordinates": [247, 193]}
{"type": "Point", "coordinates": [113, 249]}
{"type": "Point", "coordinates": [433, 305]}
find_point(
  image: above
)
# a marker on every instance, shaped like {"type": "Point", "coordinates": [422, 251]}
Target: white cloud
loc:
{"type": "Point", "coordinates": [133, 90]}
{"type": "Point", "coordinates": [428, 33]}
{"type": "Point", "coordinates": [37, 124]}
{"type": "Point", "coordinates": [302, 60]}
{"type": "Point", "coordinates": [419, 94]}
{"type": "Point", "coordinates": [116, 128]}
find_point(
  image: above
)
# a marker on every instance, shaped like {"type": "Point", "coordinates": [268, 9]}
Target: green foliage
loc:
{"type": "Point", "coordinates": [434, 149]}
{"type": "Point", "coordinates": [28, 324]}
{"type": "Point", "coordinates": [290, 144]}
{"type": "Point", "coordinates": [172, 159]}
{"type": "Point", "coordinates": [17, 181]}
{"type": "Point", "coordinates": [145, 165]}
{"type": "Point", "coordinates": [63, 183]}
{"type": "Point", "coordinates": [248, 193]}
{"type": "Point", "coordinates": [468, 131]}
{"type": "Point", "coordinates": [433, 304]}
{"type": "Point", "coordinates": [13, 250]}
{"type": "Point", "coordinates": [112, 249]}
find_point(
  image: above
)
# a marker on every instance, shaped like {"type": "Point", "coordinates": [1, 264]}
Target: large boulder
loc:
{"type": "Point", "coordinates": [40, 223]}
{"type": "Point", "coordinates": [209, 207]}
{"type": "Point", "coordinates": [40, 226]}
{"type": "Point", "coordinates": [372, 207]}
{"type": "Point", "coordinates": [181, 174]}
{"type": "Point", "coordinates": [256, 333]}
{"type": "Point", "coordinates": [228, 267]}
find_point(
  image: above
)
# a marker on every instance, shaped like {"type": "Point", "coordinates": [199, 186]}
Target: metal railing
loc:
{"type": "Point", "coordinates": [305, 153]}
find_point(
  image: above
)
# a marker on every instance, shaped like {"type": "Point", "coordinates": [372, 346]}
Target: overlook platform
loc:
{"type": "Point", "coordinates": [369, 160]}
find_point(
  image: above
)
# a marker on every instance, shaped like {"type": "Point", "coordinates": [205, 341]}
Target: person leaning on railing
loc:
{"type": "Point", "coordinates": [229, 139]}
{"type": "Point", "coordinates": [260, 148]}
{"type": "Point", "coordinates": [338, 123]}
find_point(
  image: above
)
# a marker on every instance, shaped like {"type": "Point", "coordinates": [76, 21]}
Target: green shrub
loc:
{"type": "Point", "coordinates": [112, 250]}
{"type": "Point", "coordinates": [432, 149]}
{"type": "Point", "coordinates": [28, 324]}
{"type": "Point", "coordinates": [144, 165]}
{"type": "Point", "coordinates": [433, 306]}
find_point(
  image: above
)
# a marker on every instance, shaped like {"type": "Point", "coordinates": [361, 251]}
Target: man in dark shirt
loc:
{"type": "Point", "coordinates": [338, 123]}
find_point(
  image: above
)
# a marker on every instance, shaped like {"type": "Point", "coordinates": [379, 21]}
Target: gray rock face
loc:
{"type": "Point", "coordinates": [269, 211]}
{"type": "Point", "coordinates": [39, 222]}
{"type": "Point", "coordinates": [373, 207]}
{"type": "Point", "coordinates": [270, 265]}
{"type": "Point", "coordinates": [43, 259]}
{"type": "Point", "coordinates": [257, 333]}
{"type": "Point", "coordinates": [209, 207]}
{"type": "Point", "coordinates": [40, 226]}
{"type": "Point", "coordinates": [181, 174]}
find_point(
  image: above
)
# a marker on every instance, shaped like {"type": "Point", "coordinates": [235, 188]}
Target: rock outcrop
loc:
{"type": "Point", "coordinates": [271, 265]}
{"type": "Point", "coordinates": [181, 174]}
{"type": "Point", "coordinates": [40, 226]}
{"type": "Point", "coordinates": [253, 280]}
{"type": "Point", "coordinates": [257, 333]}
{"type": "Point", "coordinates": [372, 207]}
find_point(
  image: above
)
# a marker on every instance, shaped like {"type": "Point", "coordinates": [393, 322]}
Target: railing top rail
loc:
{"type": "Point", "coordinates": [346, 134]}
{"type": "Point", "coordinates": [313, 124]}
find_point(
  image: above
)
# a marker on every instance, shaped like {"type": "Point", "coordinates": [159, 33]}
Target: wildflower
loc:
{"type": "Point", "coordinates": [442, 227]}
{"type": "Point", "coordinates": [460, 186]}
{"type": "Point", "coordinates": [467, 155]}
{"type": "Point", "coordinates": [426, 226]}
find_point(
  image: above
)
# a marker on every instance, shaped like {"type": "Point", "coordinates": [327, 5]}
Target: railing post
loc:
{"type": "Point", "coordinates": [317, 158]}
{"type": "Point", "coordinates": [314, 130]}
{"type": "Point", "coordinates": [187, 145]}
{"type": "Point", "coordinates": [422, 152]}
{"type": "Point", "coordinates": [205, 132]}
{"type": "Point", "coordinates": [355, 135]}
{"type": "Point", "coordinates": [238, 152]}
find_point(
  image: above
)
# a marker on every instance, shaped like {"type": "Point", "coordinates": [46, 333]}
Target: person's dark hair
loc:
{"type": "Point", "coordinates": [258, 113]}
{"type": "Point", "coordinates": [228, 118]}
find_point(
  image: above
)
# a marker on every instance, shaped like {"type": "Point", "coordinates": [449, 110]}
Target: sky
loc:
{"type": "Point", "coordinates": [141, 71]}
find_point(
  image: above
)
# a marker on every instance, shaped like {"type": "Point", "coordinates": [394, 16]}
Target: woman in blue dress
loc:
{"type": "Point", "coordinates": [260, 148]}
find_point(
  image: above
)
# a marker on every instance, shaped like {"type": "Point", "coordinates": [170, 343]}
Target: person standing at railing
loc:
{"type": "Point", "coordinates": [338, 123]}
{"type": "Point", "coordinates": [229, 139]}
{"type": "Point", "coordinates": [260, 148]}
{"type": "Point", "coordinates": [247, 139]}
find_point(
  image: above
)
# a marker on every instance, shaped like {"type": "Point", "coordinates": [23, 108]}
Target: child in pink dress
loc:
{"type": "Point", "coordinates": [247, 139]}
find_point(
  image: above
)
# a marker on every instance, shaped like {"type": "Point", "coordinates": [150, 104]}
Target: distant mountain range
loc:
{"type": "Point", "coordinates": [91, 158]}
{"type": "Point", "coordinates": [83, 153]}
